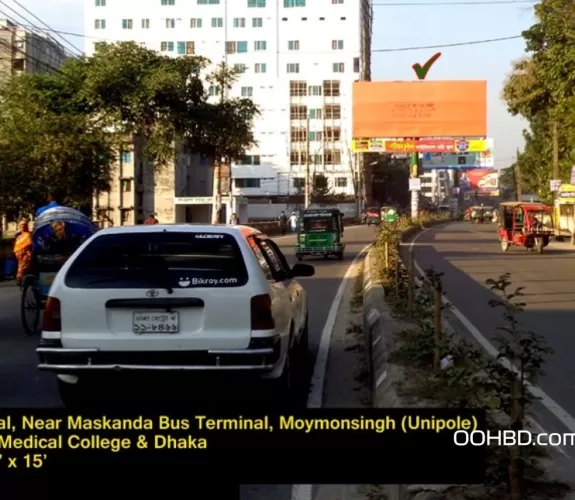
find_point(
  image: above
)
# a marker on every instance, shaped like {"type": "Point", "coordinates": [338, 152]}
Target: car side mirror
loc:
{"type": "Point", "coordinates": [302, 271]}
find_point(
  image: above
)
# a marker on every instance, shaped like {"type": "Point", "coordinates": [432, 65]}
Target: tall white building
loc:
{"type": "Point", "coordinates": [299, 59]}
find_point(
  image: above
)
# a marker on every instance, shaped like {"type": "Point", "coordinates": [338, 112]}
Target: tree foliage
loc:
{"type": "Point", "coordinates": [61, 131]}
{"type": "Point", "coordinates": [541, 89]}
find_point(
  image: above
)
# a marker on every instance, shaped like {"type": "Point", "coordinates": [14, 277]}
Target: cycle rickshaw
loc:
{"type": "Point", "coordinates": [57, 234]}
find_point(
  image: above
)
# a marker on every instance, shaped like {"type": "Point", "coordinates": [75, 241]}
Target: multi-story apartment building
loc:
{"type": "Point", "coordinates": [26, 51]}
{"type": "Point", "coordinates": [298, 60]}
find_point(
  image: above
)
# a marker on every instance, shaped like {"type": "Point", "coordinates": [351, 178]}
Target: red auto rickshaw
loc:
{"type": "Point", "coordinates": [528, 225]}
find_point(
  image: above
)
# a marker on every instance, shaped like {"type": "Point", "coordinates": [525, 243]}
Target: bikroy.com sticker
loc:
{"type": "Point", "coordinates": [185, 282]}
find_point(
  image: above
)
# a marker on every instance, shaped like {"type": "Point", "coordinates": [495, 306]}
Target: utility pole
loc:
{"type": "Point", "coordinates": [217, 183]}
{"type": "Point", "coordinates": [307, 168]}
{"type": "Point", "coordinates": [517, 176]}
{"type": "Point", "coordinates": [555, 139]}
{"type": "Point", "coordinates": [414, 171]}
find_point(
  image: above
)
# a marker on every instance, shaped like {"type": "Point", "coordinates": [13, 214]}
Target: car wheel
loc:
{"type": "Point", "coordinates": [340, 256]}
{"type": "Point", "coordinates": [71, 395]}
{"type": "Point", "coordinates": [299, 257]}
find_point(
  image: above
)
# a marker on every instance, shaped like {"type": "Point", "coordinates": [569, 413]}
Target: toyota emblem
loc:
{"type": "Point", "coordinates": [152, 293]}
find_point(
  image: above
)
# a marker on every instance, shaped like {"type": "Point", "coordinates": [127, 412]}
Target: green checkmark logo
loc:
{"type": "Point", "coordinates": [421, 71]}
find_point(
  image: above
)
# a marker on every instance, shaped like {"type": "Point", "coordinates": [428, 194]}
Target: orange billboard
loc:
{"type": "Point", "coordinates": [450, 108]}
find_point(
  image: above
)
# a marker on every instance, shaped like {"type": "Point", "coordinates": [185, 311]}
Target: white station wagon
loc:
{"type": "Point", "coordinates": [176, 298]}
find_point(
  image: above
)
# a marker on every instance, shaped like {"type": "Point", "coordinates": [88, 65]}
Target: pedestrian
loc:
{"type": "Point", "coordinates": [234, 219]}
{"type": "Point", "coordinates": [52, 203]}
{"type": "Point", "coordinates": [23, 250]}
{"type": "Point", "coordinates": [151, 220]}
{"type": "Point", "coordinates": [293, 222]}
{"type": "Point", "coordinates": [283, 222]}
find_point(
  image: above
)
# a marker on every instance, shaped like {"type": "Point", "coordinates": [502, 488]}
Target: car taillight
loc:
{"type": "Point", "coordinates": [261, 312]}
{"type": "Point", "coordinates": [52, 317]}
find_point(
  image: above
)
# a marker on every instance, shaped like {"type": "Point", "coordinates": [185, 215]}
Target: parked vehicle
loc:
{"type": "Point", "coordinates": [175, 299]}
{"type": "Point", "coordinates": [320, 233]}
{"type": "Point", "coordinates": [528, 225]}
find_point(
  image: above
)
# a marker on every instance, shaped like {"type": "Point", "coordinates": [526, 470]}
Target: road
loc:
{"type": "Point", "coordinates": [469, 254]}
{"type": "Point", "coordinates": [22, 385]}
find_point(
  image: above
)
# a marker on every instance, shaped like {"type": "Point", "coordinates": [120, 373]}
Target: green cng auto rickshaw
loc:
{"type": "Point", "coordinates": [320, 233]}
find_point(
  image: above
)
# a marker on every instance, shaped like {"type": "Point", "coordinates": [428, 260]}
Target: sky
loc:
{"type": "Point", "coordinates": [398, 26]}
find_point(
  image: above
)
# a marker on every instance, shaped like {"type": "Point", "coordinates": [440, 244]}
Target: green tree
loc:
{"type": "Point", "coordinates": [320, 188]}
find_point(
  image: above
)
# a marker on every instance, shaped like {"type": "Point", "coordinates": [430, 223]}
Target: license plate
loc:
{"type": "Point", "coordinates": [156, 322]}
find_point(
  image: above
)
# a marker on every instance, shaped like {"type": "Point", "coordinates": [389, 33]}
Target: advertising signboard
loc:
{"type": "Point", "coordinates": [483, 181]}
{"type": "Point", "coordinates": [437, 146]}
{"type": "Point", "coordinates": [450, 108]}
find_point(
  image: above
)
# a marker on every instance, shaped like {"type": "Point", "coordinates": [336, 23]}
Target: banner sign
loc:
{"type": "Point", "coordinates": [421, 146]}
{"type": "Point", "coordinates": [485, 182]}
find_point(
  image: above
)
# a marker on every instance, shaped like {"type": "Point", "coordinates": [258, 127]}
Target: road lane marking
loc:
{"type": "Point", "coordinates": [375, 342]}
{"type": "Point", "coordinates": [554, 408]}
{"type": "Point", "coordinates": [373, 316]}
{"type": "Point", "coordinates": [315, 397]}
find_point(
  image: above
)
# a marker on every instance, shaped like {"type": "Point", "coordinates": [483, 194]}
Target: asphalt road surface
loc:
{"type": "Point", "coordinates": [22, 385]}
{"type": "Point", "coordinates": [469, 254]}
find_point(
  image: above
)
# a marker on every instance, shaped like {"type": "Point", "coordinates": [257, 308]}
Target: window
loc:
{"type": "Point", "coordinates": [298, 182]}
{"type": "Point", "coordinates": [332, 157]}
{"type": "Point", "coordinates": [297, 88]}
{"type": "Point", "coordinates": [314, 90]}
{"type": "Point", "coordinates": [356, 65]}
{"type": "Point", "coordinates": [294, 3]}
{"type": "Point", "coordinates": [247, 91]}
{"type": "Point", "coordinates": [127, 24]}
{"type": "Point", "coordinates": [337, 2]}
{"type": "Point", "coordinates": [170, 23]}
{"type": "Point", "coordinates": [250, 160]}
{"type": "Point", "coordinates": [337, 45]}
{"type": "Point", "coordinates": [332, 134]}
{"type": "Point", "coordinates": [260, 68]}
{"type": "Point", "coordinates": [217, 22]}
{"type": "Point", "coordinates": [332, 112]}
{"type": "Point", "coordinates": [168, 2]}
{"type": "Point", "coordinates": [167, 46]}
{"type": "Point", "coordinates": [126, 185]}
{"type": "Point", "coordinates": [297, 158]}
{"type": "Point", "coordinates": [315, 114]}
{"type": "Point", "coordinates": [214, 90]}
{"type": "Point", "coordinates": [145, 24]}
{"type": "Point", "coordinates": [298, 112]}
{"type": "Point", "coordinates": [257, 3]}
{"type": "Point", "coordinates": [338, 67]}
{"type": "Point", "coordinates": [181, 48]}
{"type": "Point", "coordinates": [293, 45]}
{"type": "Point", "coordinates": [242, 47]}
{"type": "Point", "coordinates": [208, 2]}
{"type": "Point", "coordinates": [298, 134]}
{"type": "Point", "coordinates": [126, 157]}
{"type": "Point", "coordinates": [190, 48]}
{"type": "Point", "coordinates": [260, 45]}
{"type": "Point", "coordinates": [292, 68]}
{"type": "Point", "coordinates": [100, 3]}
{"type": "Point", "coordinates": [195, 23]}
{"type": "Point", "coordinates": [240, 68]}
{"type": "Point", "coordinates": [261, 259]}
{"type": "Point", "coordinates": [100, 24]}
{"type": "Point", "coordinates": [257, 22]}
{"type": "Point", "coordinates": [239, 22]}
{"type": "Point", "coordinates": [276, 260]}
{"type": "Point", "coordinates": [231, 48]}
{"type": "Point", "coordinates": [248, 183]}
{"type": "Point", "coordinates": [315, 136]}
{"type": "Point", "coordinates": [145, 260]}
{"type": "Point", "coordinates": [331, 88]}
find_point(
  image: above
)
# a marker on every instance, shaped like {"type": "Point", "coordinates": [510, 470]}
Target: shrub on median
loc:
{"type": "Point", "coordinates": [468, 376]}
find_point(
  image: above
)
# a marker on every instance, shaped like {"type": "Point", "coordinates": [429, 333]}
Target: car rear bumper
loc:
{"type": "Point", "coordinates": [261, 356]}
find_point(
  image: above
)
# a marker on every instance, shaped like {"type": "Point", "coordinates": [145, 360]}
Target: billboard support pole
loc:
{"type": "Point", "coordinates": [414, 168]}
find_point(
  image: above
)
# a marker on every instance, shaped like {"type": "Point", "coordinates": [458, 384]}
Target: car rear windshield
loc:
{"type": "Point", "coordinates": [158, 260]}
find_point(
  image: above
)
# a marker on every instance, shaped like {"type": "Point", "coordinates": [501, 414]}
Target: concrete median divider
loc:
{"type": "Point", "coordinates": [379, 327]}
